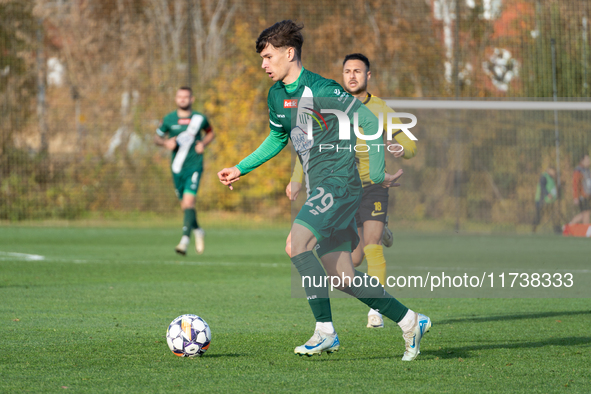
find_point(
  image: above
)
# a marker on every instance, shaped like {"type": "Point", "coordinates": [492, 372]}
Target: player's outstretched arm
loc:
{"type": "Point", "coordinates": [270, 147]}
{"type": "Point", "coordinates": [228, 176]}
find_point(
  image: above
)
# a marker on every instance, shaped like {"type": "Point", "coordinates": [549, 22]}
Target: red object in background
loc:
{"type": "Point", "coordinates": [577, 230]}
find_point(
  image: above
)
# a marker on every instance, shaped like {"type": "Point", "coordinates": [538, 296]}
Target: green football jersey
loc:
{"type": "Point", "coordinates": [316, 114]}
{"type": "Point", "coordinates": [325, 154]}
{"type": "Point", "coordinates": [187, 132]}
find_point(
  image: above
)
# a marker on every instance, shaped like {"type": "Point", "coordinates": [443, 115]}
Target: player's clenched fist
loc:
{"type": "Point", "coordinates": [390, 180]}
{"type": "Point", "coordinates": [228, 176]}
{"type": "Point", "coordinates": [199, 147]}
{"type": "Point", "coordinates": [170, 144]}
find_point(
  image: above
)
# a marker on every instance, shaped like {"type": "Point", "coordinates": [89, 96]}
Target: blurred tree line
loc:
{"type": "Point", "coordinates": [84, 84]}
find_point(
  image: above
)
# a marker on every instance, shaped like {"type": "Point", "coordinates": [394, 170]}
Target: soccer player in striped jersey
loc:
{"type": "Point", "coordinates": [371, 217]}
{"type": "Point", "coordinates": [326, 222]}
{"type": "Point", "coordinates": [186, 133]}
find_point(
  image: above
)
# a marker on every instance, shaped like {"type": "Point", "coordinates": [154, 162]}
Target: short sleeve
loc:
{"type": "Point", "coordinates": [205, 126]}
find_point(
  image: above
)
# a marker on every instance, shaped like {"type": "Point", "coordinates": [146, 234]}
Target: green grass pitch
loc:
{"type": "Point", "coordinates": [91, 316]}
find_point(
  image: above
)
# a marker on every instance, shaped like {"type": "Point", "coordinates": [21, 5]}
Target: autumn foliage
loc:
{"type": "Point", "coordinates": [80, 139]}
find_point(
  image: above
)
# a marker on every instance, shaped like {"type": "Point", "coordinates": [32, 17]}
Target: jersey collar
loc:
{"type": "Point", "coordinates": [292, 87]}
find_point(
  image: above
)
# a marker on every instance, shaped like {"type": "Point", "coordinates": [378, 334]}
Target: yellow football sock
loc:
{"type": "Point", "coordinates": [376, 263]}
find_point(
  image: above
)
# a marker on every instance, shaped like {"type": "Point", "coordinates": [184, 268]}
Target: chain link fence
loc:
{"type": "Point", "coordinates": [85, 83]}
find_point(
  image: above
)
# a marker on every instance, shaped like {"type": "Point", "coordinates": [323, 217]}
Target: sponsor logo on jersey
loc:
{"type": "Point", "coordinates": [184, 121]}
{"type": "Point", "coordinates": [280, 115]}
{"type": "Point", "coordinates": [291, 103]}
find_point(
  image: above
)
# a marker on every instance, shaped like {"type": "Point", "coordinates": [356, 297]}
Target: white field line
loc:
{"type": "Point", "coordinates": [20, 256]}
{"type": "Point", "coordinates": [35, 257]}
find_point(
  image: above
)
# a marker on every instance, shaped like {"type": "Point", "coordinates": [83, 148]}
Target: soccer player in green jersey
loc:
{"type": "Point", "coordinates": [186, 133]}
{"type": "Point", "coordinates": [371, 216]}
{"type": "Point", "coordinates": [326, 222]}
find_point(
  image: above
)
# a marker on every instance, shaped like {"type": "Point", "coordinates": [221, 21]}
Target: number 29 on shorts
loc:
{"type": "Point", "coordinates": [325, 199]}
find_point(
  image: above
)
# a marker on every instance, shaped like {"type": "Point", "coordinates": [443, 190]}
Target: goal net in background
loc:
{"type": "Point", "coordinates": [85, 83]}
{"type": "Point", "coordinates": [478, 163]}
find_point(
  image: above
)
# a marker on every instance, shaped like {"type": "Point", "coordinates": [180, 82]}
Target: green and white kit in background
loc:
{"type": "Point", "coordinates": [186, 164]}
{"type": "Point", "coordinates": [187, 168]}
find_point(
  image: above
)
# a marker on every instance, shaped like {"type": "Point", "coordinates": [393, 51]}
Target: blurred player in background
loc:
{"type": "Point", "coordinates": [546, 194]}
{"type": "Point", "coordinates": [372, 215]}
{"type": "Point", "coordinates": [326, 222]}
{"type": "Point", "coordinates": [186, 133]}
{"type": "Point", "coordinates": [582, 190]}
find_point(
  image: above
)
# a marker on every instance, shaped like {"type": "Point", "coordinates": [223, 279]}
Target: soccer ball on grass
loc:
{"type": "Point", "coordinates": [188, 336]}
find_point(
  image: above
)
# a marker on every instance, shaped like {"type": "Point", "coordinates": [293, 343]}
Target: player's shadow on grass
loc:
{"type": "Point", "coordinates": [539, 315]}
{"type": "Point", "coordinates": [466, 351]}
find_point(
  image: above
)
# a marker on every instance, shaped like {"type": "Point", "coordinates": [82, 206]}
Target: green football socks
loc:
{"type": "Point", "coordinates": [189, 222]}
{"type": "Point", "coordinates": [376, 298]}
{"type": "Point", "coordinates": [314, 284]}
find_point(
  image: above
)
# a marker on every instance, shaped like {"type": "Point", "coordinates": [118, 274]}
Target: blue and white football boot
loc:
{"type": "Point", "coordinates": [412, 337]}
{"type": "Point", "coordinates": [320, 342]}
